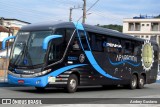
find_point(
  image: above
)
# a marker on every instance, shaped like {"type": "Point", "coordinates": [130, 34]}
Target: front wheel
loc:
{"type": "Point", "coordinates": [72, 83]}
{"type": "Point", "coordinates": [141, 82]}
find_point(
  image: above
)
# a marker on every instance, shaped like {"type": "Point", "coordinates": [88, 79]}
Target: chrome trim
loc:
{"type": "Point", "coordinates": [16, 75]}
{"type": "Point", "coordinates": [61, 79]}
{"type": "Point", "coordinates": [27, 76]}
{"type": "Point", "coordinates": [65, 50]}
{"type": "Point", "coordinates": [63, 76]}
{"type": "Point", "coordinates": [21, 75]}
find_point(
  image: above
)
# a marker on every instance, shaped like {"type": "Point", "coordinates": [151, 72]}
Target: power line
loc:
{"type": "Point", "coordinates": [70, 13]}
{"type": "Point", "coordinates": [88, 9]}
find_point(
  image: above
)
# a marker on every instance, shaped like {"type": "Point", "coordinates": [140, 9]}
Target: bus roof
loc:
{"type": "Point", "coordinates": [90, 28]}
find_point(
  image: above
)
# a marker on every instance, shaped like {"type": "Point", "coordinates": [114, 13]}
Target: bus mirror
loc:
{"type": "Point", "coordinates": [5, 40]}
{"type": "Point", "coordinates": [48, 39]}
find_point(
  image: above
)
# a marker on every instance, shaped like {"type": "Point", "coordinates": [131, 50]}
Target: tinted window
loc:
{"type": "Point", "coordinates": [96, 42]}
{"type": "Point", "coordinates": [113, 45]}
{"type": "Point", "coordinates": [128, 47]}
{"type": "Point", "coordinates": [57, 47]}
{"type": "Point", "coordinates": [83, 40]}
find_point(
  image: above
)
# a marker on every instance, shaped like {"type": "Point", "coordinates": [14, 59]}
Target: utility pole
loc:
{"type": "Point", "coordinates": [70, 12]}
{"type": "Point", "coordinates": [84, 11]}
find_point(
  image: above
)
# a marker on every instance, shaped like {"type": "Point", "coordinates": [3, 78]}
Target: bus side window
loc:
{"type": "Point", "coordinates": [83, 39]}
{"type": "Point", "coordinates": [69, 33]}
{"type": "Point", "coordinates": [57, 47]}
{"type": "Point", "coordinates": [129, 47]}
{"type": "Point", "coordinates": [114, 45]}
{"type": "Point", "coordinates": [96, 42]}
{"type": "Point", "coordinates": [76, 44]}
{"type": "Point", "coordinates": [137, 49]}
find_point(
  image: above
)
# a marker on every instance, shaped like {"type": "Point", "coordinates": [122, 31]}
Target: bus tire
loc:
{"type": "Point", "coordinates": [72, 84]}
{"type": "Point", "coordinates": [133, 82]}
{"type": "Point", "coordinates": [141, 82]}
{"type": "Point", "coordinates": [40, 88]}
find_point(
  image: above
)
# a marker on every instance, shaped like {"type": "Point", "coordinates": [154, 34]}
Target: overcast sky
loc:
{"type": "Point", "coordinates": [104, 12]}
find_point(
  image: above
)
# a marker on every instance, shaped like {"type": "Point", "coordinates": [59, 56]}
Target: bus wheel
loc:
{"type": "Point", "coordinates": [141, 82]}
{"type": "Point", "coordinates": [72, 83]}
{"type": "Point", "coordinates": [40, 88]}
{"type": "Point", "coordinates": [133, 82]}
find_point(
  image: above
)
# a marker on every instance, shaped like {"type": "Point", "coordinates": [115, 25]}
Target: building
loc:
{"type": "Point", "coordinates": [7, 26]}
{"type": "Point", "coordinates": [147, 27]}
{"type": "Point", "coordinates": [13, 25]}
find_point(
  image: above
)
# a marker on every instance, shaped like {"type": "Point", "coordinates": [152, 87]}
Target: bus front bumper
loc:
{"type": "Point", "coordinates": [36, 82]}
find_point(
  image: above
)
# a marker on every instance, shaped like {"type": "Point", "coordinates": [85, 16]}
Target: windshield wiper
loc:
{"type": "Point", "coordinates": [20, 54]}
{"type": "Point", "coordinates": [24, 54]}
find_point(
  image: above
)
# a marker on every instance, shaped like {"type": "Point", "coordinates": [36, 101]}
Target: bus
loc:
{"type": "Point", "coordinates": [71, 54]}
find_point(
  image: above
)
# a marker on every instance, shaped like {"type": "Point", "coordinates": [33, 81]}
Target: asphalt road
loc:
{"type": "Point", "coordinates": [149, 91]}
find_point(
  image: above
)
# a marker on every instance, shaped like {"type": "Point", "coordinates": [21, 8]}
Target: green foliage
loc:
{"type": "Point", "coordinates": [113, 27]}
{"type": "Point", "coordinates": [157, 16]}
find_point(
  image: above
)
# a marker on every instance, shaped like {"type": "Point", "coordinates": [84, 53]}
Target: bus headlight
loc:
{"type": "Point", "coordinates": [46, 71]}
{"type": "Point", "coordinates": [42, 73]}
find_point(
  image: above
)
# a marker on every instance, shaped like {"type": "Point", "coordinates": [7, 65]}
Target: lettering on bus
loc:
{"type": "Point", "coordinates": [106, 44]}
{"type": "Point", "coordinates": [126, 57]}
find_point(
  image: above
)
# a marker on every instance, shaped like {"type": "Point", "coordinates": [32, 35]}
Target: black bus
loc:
{"type": "Point", "coordinates": [71, 54]}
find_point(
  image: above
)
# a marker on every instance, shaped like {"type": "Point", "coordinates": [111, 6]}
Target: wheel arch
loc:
{"type": "Point", "coordinates": [136, 74]}
{"type": "Point", "coordinates": [77, 74]}
{"type": "Point", "coordinates": [144, 75]}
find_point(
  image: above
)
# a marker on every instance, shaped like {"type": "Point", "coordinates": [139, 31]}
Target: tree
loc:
{"type": "Point", "coordinates": [113, 27]}
{"type": "Point", "coordinates": [157, 16]}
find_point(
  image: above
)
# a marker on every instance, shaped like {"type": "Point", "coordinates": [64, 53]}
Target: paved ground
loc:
{"type": "Point", "coordinates": [82, 92]}
{"type": "Point", "coordinates": [150, 91]}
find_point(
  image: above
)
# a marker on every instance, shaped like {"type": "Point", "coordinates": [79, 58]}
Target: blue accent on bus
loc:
{"type": "Point", "coordinates": [4, 41]}
{"type": "Point", "coordinates": [80, 40]}
{"type": "Point", "coordinates": [78, 25]}
{"type": "Point", "coordinates": [96, 66]}
{"type": "Point", "coordinates": [61, 70]}
{"type": "Point", "coordinates": [89, 54]}
{"type": "Point", "coordinates": [43, 80]}
{"type": "Point", "coordinates": [87, 40]}
{"type": "Point", "coordinates": [124, 61]}
{"type": "Point", "coordinates": [47, 39]}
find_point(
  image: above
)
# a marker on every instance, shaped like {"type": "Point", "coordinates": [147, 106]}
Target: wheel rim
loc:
{"type": "Point", "coordinates": [72, 84]}
{"type": "Point", "coordinates": [141, 81]}
{"type": "Point", "coordinates": [134, 82]}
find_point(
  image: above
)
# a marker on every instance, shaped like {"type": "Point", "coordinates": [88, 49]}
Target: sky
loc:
{"type": "Point", "coordinates": [103, 13]}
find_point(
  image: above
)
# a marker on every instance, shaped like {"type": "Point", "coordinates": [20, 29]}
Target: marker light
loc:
{"type": "Point", "coordinates": [21, 81]}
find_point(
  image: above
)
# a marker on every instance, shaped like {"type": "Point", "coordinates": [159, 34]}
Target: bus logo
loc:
{"type": "Point", "coordinates": [81, 58]}
{"type": "Point", "coordinates": [25, 61]}
{"type": "Point", "coordinates": [147, 56]}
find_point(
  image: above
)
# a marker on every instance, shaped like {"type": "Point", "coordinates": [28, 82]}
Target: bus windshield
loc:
{"type": "Point", "coordinates": [27, 49]}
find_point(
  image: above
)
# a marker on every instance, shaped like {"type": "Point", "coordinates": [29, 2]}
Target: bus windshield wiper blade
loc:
{"type": "Point", "coordinates": [20, 54]}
